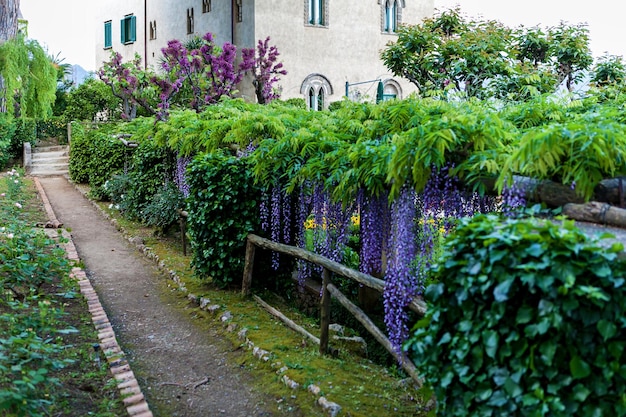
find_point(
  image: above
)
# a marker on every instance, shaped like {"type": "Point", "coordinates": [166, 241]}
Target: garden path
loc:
{"type": "Point", "coordinates": [165, 348]}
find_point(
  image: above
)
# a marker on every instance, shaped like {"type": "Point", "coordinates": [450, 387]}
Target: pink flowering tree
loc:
{"type": "Point", "coordinates": [266, 72]}
{"type": "Point", "coordinates": [130, 83]}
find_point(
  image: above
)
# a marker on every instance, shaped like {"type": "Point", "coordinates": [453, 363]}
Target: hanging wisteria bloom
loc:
{"type": "Point", "coordinates": [401, 284]}
{"type": "Point", "coordinates": [180, 175]}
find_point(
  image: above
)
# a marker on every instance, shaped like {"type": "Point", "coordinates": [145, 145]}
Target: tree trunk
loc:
{"type": "Point", "coordinates": [553, 194]}
{"type": "Point", "coordinates": [9, 11]}
{"type": "Point", "coordinates": [597, 213]}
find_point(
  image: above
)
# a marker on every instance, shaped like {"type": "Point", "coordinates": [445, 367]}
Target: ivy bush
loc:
{"type": "Point", "coordinates": [526, 320]}
{"type": "Point", "coordinates": [223, 211]}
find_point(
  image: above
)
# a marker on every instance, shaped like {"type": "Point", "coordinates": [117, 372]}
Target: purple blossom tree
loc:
{"type": "Point", "coordinates": [201, 76]}
{"type": "Point", "coordinates": [266, 71]}
{"type": "Point", "coordinates": [130, 83]}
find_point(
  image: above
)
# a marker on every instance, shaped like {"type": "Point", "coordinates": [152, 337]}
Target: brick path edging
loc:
{"type": "Point", "coordinates": [332, 409]}
{"type": "Point", "coordinates": [132, 397]}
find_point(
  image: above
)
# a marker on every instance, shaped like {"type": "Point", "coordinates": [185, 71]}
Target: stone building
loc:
{"type": "Point", "coordinates": [328, 47]}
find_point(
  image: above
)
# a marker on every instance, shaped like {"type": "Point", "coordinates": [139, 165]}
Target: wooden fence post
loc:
{"type": "Point", "coordinates": [247, 269]}
{"type": "Point", "coordinates": [324, 312]}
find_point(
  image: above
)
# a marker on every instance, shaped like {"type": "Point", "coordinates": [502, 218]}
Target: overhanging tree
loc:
{"type": "Point", "coordinates": [477, 58]}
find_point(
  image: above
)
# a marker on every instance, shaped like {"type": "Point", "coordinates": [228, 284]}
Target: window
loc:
{"type": "Point", "coordinates": [153, 30]}
{"type": "Point", "coordinates": [129, 29]}
{"type": "Point", "coordinates": [108, 38]}
{"type": "Point", "coordinates": [316, 12]}
{"type": "Point", "coordinates": [206, 6]}
{"type": "Point", "coordinates": [316, 88]}
{"type": "Point", "coordinates": [392, 15]}
{"type": "Point", "coordinates": [391, 90]}
{"type": "Point", "coordinates": [239, 11]}
{"type": "Point", "coordinates": [190, 21]}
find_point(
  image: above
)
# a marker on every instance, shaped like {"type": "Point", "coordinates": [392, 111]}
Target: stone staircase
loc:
{"type": "Point", "coordinates": [48, 161]}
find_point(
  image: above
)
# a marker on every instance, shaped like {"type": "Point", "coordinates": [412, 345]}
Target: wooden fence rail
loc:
{"type": "Point", "coordinates": [328, 290]}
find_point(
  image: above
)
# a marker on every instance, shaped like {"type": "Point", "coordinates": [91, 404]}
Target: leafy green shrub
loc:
{"type": "Point", "coordinates": [54, 127]}
{"type": "Point", "coordinates": [223, 209]}
{"type": "Point", "coordinates": [95, 156]}
{"type": "Point", "coordinates": [7, 131]}
{"type": "Point", "coordinates": [90, 101]}
{"type": "Point", "coordinates": [527, 320]}
{"type": "Point", "coordinates": [162, 210]}
{"type": "Point", "coordinates": [25, 131]}
{"type": "Point", "coordinates": [151, 167]}
{"type": "Point", "coordinates": [80, 154]}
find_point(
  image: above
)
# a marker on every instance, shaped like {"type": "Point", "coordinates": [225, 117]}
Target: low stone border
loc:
{"type": "Point", "coordinates": [132, 397]}
{"type": "Point", "coordinates": [331, 408]}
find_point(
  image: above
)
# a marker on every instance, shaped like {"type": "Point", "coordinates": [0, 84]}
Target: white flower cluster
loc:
{"type": "Point", "coordinates": [4, 233]}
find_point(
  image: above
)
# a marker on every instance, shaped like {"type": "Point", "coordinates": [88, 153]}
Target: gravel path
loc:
{"type": "Point", "coordinates": [167, 351]}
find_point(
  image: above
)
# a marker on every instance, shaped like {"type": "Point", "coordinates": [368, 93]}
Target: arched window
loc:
{"type": "Point", "coordinates": [391, 90]}
{"type": "Point", "coordinates": [316, 88]}
{"type": "Point", "coordinates": [392, 15]}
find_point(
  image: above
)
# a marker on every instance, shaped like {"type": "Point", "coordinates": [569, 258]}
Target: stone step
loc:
{"type": "Point", "coordinates": [50, 164]}
{"type": "Point", "coordinates": [53, 154]}
{"type": "Point", "coordinates": [45, 158]}
{"type": "Point", "coordinates": [54, 148]}
{"type": "Point", "coordinates": [49, 173]}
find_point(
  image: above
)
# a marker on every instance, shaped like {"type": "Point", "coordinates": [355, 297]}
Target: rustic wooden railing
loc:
{"type": "Point", "coordinates": [328, 290]}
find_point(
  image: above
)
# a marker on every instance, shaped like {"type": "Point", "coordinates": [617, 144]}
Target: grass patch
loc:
{"type": "Point", "coordinates": [361, 387]}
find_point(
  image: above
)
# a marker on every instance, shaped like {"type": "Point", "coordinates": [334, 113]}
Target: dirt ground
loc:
{"type": "Point", "coordinates": [165, 348]}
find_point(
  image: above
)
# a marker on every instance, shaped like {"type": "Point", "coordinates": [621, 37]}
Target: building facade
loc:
{"type": "Point", "coordinates": [329, 48]}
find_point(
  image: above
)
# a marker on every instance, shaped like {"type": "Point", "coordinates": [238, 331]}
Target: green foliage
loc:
{"type": "Point", "coordinates": [7, 132]}
{"type": "Point", "coordinates": [151, 168]}
{"type": "Point", "coordinates": [25, 131]}
{"type": "Point", "coordinates": [464, 57]}
{"type": "Point", "coordinates": [96, 155]}
{"type": "Point", "coordinates": [223, 209]}
{"type": "Point", "coordinates": [162, 209]}
{"type": "Point", "coordinates": [526, 320]}
{"type": "Point", "coordinates": [54, 127]}
{"type": "Point", "coordinates": [582, 151]}
{"type": "Point", "coordinates": [28, 73]}
{"type": "Point", "coordinates": [29, 348]}
{"type": "Point", "coordinates": [609, 70]}
{"type": "Point", "coordinates": [92, 100]}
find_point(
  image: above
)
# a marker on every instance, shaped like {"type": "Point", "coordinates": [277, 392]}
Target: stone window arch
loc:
{"type": "Point", "coordinates": [391, 14]}
{"type": "Point", "coordinates": [316, 89]}
{"type": "Point", "coordinates": [391, 89]}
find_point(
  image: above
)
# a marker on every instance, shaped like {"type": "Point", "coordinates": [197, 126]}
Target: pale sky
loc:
{"type": "Point", "coordinates": [605, 18]}
{"type": "Point", "coordinates": [67, 26]}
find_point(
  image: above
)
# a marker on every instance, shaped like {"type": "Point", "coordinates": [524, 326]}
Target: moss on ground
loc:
{"type": "Point", "coordinates": [361, 387]}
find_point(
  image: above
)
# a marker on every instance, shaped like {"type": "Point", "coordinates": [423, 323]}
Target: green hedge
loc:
{"type": "Point", "coordinates": [95, 156]}
{"type": "Point", "coordinates": [7, 131]}
{"type": "Point", "coordinates": [527, 320]}
{"type": "Point", "coordinates": [223, 209]}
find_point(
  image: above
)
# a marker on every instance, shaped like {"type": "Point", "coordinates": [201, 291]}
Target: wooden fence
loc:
{"type": "Point", "coordinates": [328, 290]}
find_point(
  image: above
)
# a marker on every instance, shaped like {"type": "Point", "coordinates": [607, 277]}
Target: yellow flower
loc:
{"type": "Point", "coordinates": [356, 219]}
{"type": "Point", "coordinates": [309, 224]}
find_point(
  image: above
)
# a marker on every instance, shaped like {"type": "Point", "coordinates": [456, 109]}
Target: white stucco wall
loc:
{"type": "Point", "coordinates": [347, 48]}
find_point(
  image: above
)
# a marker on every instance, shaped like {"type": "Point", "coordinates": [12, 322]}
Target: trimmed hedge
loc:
{"type": "Point", "coordinates": [223, 212]}
{"type": "Point", "coordinates": [527, 320]}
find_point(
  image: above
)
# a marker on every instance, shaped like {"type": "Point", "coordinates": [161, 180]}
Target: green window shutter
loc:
{"type": "Point", "coordinates": [132, 37]}
{"type": "Point", "coordinates": [108, 40]}
{"type": "Point", "coordinates": [123, 31]}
